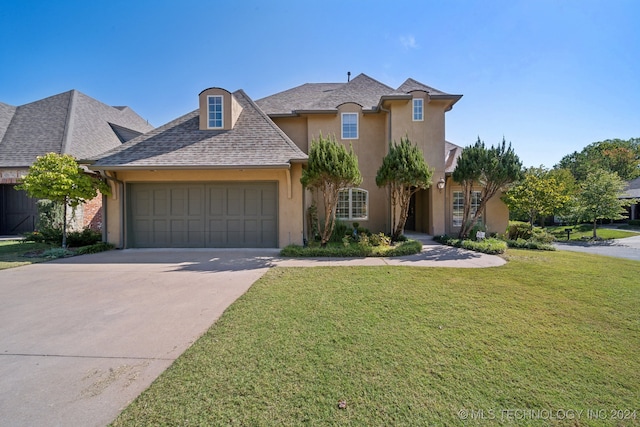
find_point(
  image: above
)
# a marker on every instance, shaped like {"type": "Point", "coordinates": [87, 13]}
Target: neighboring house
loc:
{"type": "Point", "coordinates": [632, 191]}
{"type": "Point", "coordinates": [228, 174]}
{"type": "Point", "coordinates": [67, 123]}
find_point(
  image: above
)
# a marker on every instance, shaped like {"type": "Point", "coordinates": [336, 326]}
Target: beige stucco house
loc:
{"type": "Point", "coordinates": [228, 173]}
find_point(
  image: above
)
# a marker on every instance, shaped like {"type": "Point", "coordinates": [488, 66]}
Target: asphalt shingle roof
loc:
{"type": "Point", "coordinates": [67, 123]}
{"type": "Point", "coordinates": [362, 89]}
{"type": "Point", "coordinates": [254, 141]}
{"type": "Point", "coordinates": [632, 189]}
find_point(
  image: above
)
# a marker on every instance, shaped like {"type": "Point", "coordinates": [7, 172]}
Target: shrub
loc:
{"type": "Point", "coordinates": [529, 244]}
{"type": "Point", "coordinates": [540, 235]}
{"type": "Point", "coordinates": [379, 239]}
{"type": "Point", "coordinates": [340, 230]}
{"type": "Point", "coordinates": [635, 222]}
{"type": "Point", "coordinates": [490, 246]}
{"type": "Point", "coordinates": [50, 235]}
{"type": "Point", "coordinates": [95, 248]}
{"type": "Point", "coordinates": [56, 253]}
{"type": "Point", "coordinates": [408, 247]}
{"type": "Point", "coordinates": [474, 231]}
{"type": "Point", "coordinates": [518, 230]}
{"type": "Point", "coordinates": [86, 237]}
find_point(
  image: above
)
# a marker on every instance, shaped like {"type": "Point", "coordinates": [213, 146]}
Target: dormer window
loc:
{"type": "Point", "coordinates": [349, 125]}
{"type": "Point", "coordinates": [418, 109]}
{"type": "Point", "coordinates": [214, 103]}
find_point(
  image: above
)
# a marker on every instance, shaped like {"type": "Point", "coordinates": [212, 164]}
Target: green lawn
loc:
{"type": "Point", "coordinates": [549, 332]}
{"type": "Point", "coordinates": [585, 231]}
{"type": "Point", "coordinates": [14, 253]}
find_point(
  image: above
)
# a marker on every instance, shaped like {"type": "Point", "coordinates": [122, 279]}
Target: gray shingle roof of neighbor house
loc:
{"type": "Point", "coordinates": [632, 190]}
{"type": "Point", "coordinates": [254, 142]}
{"type": "Point", "coordinates": [68, 123]}
{"type": "Point", "coordinates": [327, 97]}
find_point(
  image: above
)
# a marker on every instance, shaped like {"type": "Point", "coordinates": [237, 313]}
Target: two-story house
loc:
{"type": "Point", "coordinates": [228, 173]}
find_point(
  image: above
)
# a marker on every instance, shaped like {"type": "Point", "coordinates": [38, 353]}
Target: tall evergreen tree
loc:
{"type": "Point", "coordinates": [405, 172]}
{"type": "Point", "coordinates": [331, 168]}
{"type": "Point", "coordinates": [493, 169]}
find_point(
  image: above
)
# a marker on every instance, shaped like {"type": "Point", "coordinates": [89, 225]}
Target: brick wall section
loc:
{"type": "Point", "coordinates": [92, 213]}
{"type": "Point", "coordinates": [10, 176]}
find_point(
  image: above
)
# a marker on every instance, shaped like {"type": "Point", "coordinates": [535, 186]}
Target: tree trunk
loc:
{"type": "Point", "coordinates": [595, 221]}
{"type": "Point", "coordinates": [64, 225]}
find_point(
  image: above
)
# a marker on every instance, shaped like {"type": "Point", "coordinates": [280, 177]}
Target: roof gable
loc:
{"type": "Point", "coordinates": [254, 141]}
{"type": "Point", "coordinates": [362, 90]}
{"type": "Point", "coordinates": [66, 123]}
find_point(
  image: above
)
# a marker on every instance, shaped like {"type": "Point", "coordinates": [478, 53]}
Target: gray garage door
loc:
{"type": "Point", "coordinates": [230, 215]}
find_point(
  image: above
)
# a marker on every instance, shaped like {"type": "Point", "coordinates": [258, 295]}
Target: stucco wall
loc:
{"type": "Point", "coordinates": [290, 211]}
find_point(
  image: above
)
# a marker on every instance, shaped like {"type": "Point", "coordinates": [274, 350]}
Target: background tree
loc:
{"type": "Point", "coordinates": [599, 197]}
{"type": "Point", "coordinates": [331, 168]}
{"type": "Point", "coordinates": [60, 179]}
{"type": "Point", "coordinates": [536, 195]}
{"type": "Point", "coordinates": [491, 168]}
{"type": "Point", "coordinates": [612, 155]}
{"type": "Point", "coordinates": [405, 172]}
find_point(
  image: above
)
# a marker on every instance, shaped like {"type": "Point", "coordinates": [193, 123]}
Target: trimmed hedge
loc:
{"type": "Point", "coordinates": [352, 250]}
{"type": "Point", "coordinates": [490, 246]}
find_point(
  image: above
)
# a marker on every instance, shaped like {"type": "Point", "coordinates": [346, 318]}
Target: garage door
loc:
{"type": "Point", "coordinates": [231, 215]}
{"type": "Point", "coordinates": [18, 212]}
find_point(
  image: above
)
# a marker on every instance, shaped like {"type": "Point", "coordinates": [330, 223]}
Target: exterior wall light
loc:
{"type": "Point", "coordinates": [440, 184]}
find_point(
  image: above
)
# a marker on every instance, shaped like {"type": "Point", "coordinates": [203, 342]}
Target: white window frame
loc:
{"type": "Point", "coordinates": [350, 208]}
{"type": "Point", "coordinates": [209, 119]}
{"type": "Point", "coordinates": [418, 109]}
{"type": "Point", "coordinates": [343, 123]}
{"type": "Point", "coordinates": [458, 212]}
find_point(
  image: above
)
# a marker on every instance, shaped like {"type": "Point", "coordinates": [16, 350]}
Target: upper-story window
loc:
{"type": "Point", "coordinates": [214, 103]}
{"type": "Point", "coordinates": [418, 110]}
{"type": "Point", "coordinates": [349, 125]}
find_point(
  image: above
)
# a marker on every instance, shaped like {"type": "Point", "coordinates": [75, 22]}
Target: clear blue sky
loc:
{"type": "Point", "coordinates": [550, 75]}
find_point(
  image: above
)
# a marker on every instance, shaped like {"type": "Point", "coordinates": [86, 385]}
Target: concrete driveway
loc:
{"type": "Point", "coordinates": [82, 337]}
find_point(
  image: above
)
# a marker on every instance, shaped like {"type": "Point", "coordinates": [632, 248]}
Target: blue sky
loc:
{"type": "Point", "coordinates": [549, 76]}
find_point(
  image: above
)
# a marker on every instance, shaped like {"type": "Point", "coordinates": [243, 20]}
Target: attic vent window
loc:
{"type": "Point", "coordinates": [214, 104]}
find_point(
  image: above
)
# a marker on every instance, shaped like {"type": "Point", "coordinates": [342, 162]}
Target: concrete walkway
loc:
{"type": "Point", "coordinates": [81, 337]}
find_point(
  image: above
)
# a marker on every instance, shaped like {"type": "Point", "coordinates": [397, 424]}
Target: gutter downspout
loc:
{"type": "Point", "coordinates": [388, 111]}
{"type": "Point", "coordinates": [120, 190]}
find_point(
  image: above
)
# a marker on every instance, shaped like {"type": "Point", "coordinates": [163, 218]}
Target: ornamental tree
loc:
{"type": "Point", "coordinates": [599, 197]}
{"type": "Point", "coordinates": [492, 168]}
{"type": "Point", "coordinates": [60, 179]}
{"type": "Point", "coordinates": [405, 172]}
{"type": "Point", "coordinates": [331, 168]}
{"type": "Point", "coordinates": [537, 194]}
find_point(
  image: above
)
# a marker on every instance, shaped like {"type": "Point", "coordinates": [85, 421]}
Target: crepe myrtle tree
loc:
{"type": "Point", "coordinates": [492, 168]}
{"type": "Point", "coordinates": [331, 168]}
{"type": "Point", "coordinates": [536, 195]}
{"type": "Point", "coordinates": [405, 172]}
{"type": "Point", "coordinates": [61, 179]}
{"type": "Point", "coordinates": [600, 198]}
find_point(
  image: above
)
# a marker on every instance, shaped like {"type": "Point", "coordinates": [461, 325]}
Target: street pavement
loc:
{"type": "Point", "coordinates": [620, 248]}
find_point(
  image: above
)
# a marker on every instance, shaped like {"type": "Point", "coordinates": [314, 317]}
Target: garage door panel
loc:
{"type": "Point", "coordinates": [203, 215]}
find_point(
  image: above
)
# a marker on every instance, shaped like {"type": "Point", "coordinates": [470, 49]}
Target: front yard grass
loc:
{"type": "Point", "coordinates": [403, 346]}
{"type": "Point", "coordinates": [14, 253]}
